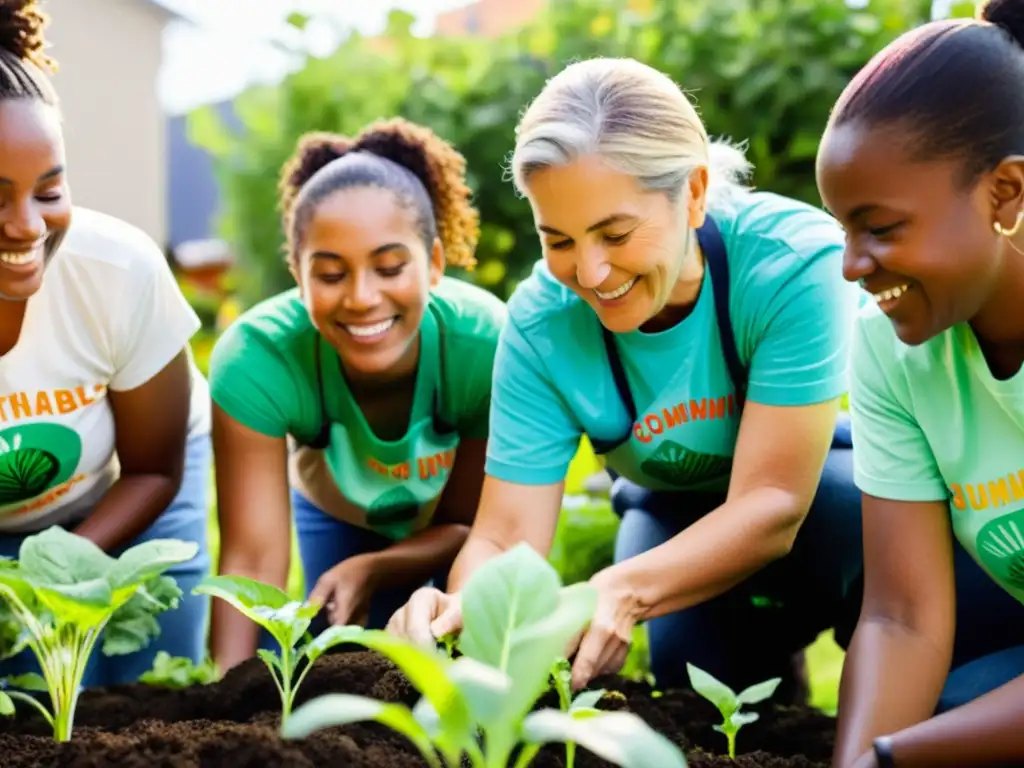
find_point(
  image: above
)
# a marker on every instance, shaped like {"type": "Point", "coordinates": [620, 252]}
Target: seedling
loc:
{"type": "Point", "coordinates": [286, 620]}
{"type": "Point", "coordinates": [178, 672]}
{"type": "Point", "coordinates": [729, 703]}
{"type": "Point", "coordinates": [584, 704]}
{"type": "Point", "coordinates": [62, 594]}
{"type": "Point", "coordinates": [518, 620]}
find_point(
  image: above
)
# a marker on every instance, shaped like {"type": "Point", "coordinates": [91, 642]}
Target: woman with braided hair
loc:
{"type": "Point", "coordinates": [104, 420]}
{"type": "Point", "coordinates": [375, 369]}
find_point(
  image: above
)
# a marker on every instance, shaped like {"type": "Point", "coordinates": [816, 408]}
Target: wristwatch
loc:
{"type": "Point", "coordinates": [883, 752]}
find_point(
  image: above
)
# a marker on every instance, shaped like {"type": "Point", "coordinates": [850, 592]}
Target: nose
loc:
{"type": "Point", "coordinates": [856, 264]}
{"type": "Point", "coordinates": [363, 294]}
{"type": "Point", "coordinates": [592, 267]}
{"type": "Point", "coordinates": [23, 223]}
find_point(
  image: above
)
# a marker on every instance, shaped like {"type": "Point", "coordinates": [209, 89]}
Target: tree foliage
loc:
{"type": "Point", "coordinates": [765, 72]}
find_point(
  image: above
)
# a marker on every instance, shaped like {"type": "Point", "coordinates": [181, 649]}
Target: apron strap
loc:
{"type": "Point", "coordinates": [711, 243]}
{"type": "Point", "coordinates": [713, 246]}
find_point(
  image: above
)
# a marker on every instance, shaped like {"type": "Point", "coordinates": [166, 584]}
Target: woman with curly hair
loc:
{"type": "Point", "coordinates": [375, 370]}
{"type": "Point", "coordinates": [104, 420]}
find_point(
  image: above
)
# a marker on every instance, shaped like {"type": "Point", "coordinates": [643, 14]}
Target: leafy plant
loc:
{"type": "Point", "coordinates": [286, 620]}
{"type": "Point", "coordinates": [62, 594]}
{"type": "Point", "coordinates": [517, 622]}
{"type": "Point", "coordinates": [179, 672]}
{"type": "Point", "coordinates": [729, 703]}
{"type": "Point", "coordinates": [584, 704]}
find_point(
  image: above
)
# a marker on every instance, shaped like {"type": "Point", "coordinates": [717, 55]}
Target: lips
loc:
{"type": "Point", "coordinates": [369, 332]}
{"type": "Point", "coordinates": [617, 293]}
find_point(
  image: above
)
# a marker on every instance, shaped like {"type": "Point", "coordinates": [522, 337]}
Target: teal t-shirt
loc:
{"type": "Point", "coordinates": [263, 373]}
{"type": "Point", "coordinates": [931, 423]}
{"type": "Point", "coordinates": [792, 314]}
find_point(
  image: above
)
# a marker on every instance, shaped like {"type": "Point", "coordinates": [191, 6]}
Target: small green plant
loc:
{"type": "Point", "coordinates": [729, 703]}
{"type": "Point", "coordinates": [179, 672]}
{"type": "Point", "coordinates": [583, 704]}
{"type": "Point", "coordinates": [517, 621]}
{"type": "Point", "coordinates": [286, 620]}
{"type": "Point", "coordinates": [62, 595]}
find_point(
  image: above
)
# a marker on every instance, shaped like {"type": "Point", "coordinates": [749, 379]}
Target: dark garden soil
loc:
{"type": "Point", "coordinates": [234, 723]}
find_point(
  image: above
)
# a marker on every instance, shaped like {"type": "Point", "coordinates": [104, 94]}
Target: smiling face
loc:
{"type": "Point", "coordinates": [35, 206]}
{"type": "Point", "coordinates": [365, 277]}
{"type": "Point", "coordinates": [619, 247]}
{"type": "Point", "coordinates": [917, 240]}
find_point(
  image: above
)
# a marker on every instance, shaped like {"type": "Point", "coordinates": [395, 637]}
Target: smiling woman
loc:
{"type": "Point", "coordinates": [696, 332]}
{"type": "Point", "coordinates": [104, 421]}
{"type": "Point", "coordinates": [376, 369]}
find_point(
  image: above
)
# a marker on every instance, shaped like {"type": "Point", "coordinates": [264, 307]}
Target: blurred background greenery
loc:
{"type": "Point", "coordinates": [765, 72]}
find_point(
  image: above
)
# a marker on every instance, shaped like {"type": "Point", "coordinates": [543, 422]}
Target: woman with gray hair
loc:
{"type": "Point", "coordinates": [696, 332]}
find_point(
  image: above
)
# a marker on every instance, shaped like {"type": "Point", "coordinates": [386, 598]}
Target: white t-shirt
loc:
{"type": "Point", "coordinates": [109, 316]}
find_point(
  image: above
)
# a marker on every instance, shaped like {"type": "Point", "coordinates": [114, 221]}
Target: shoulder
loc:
{"type": "Point", "coordinates": [274, 329]}
{"type": "Point", "coordinates": [772, 235]}
{"type": "Point", "coordinates": [544, 310]}
{"type": "Point", "coordinates": [467, 311]}
{"type": "Point", "coordinates": [109, 248]}
{"type": "Point", "coordinates": [876, 345]}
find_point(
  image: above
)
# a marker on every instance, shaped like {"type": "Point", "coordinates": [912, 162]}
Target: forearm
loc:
{"type": "Point", "coordinates": [986, 731]}
{"type": "Point", "coordinates": [477, 550]}
{"type": "Point", "coordinates": [419, 557]}
{"type": "Point", "coordinates": [127, 509]}
{"type": "Point", "coordinates": [891, 679]}
{"type": "Point", "coordinates": [717, 552]}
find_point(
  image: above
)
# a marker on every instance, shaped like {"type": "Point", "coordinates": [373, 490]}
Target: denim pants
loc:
{"type": "Point", "coordinates": [751, 632]}
{"type": "Point", "coordinates": [324, 542]}
{"type": "Point", "coordinates": [182, 630]}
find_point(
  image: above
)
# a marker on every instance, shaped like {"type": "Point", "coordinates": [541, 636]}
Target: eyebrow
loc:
{"type": "Point", "coordinates": [615, 218]}
{"type": "Point", "coordinates": [861, 211]}
{"type": "Point", "coordinates": [378, 251]}
{"type": "Point", "coordinates": [57, 171]}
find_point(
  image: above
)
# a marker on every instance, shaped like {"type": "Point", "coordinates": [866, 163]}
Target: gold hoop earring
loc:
{"type": "Point", "coordinates": [1000, 230]}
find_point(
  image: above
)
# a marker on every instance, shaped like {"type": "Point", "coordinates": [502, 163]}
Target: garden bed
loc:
{"type": "Point", "coordinates": [234, 724]}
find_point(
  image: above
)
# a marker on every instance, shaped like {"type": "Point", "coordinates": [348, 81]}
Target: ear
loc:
{"type": "Point", "coordinates": [1007, 193]}
{"type": "Point", "coordinates": [696, 198]}
{"type": "Point", "coordinates": [437, 262]}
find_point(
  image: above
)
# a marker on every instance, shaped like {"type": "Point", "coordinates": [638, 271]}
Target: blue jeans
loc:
{"type": "Point", "coordinates": [325, 541]}
{"type": "Point", "coordinates": [751, 632]}
{"type": "Point", "coordinates": [182, 630]}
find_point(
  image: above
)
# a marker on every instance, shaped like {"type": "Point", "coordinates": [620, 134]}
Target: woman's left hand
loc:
{"type": "Point", "coordinates": [606, 642]}
{"type": "Point", "coordinates": [346, 590]}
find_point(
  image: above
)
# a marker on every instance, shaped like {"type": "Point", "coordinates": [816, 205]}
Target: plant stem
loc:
{"type": "Point", "coordinates": [286, 685]}
{"type": "Point", "coordinates": [526, 755]}
{"type": "Point", "coordinates": [731, 736]}
{"type": "Point", "coordinates": [19, 696]}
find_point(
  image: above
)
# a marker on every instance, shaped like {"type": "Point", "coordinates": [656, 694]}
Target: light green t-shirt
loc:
{"type": "Point", "coordinates": [263, 373]}
{"type": "Point", "coordinates": [931, 423]}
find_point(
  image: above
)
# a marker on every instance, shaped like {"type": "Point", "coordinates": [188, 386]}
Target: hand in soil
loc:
{"type": "Point", "coordinates": [606, 642]}
{"type": "Point", "coordinates": [346, 591]}
{"type": "Point", "coordinates": [429, 615]}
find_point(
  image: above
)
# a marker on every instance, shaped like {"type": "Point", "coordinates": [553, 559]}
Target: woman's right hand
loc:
{"type": "Point", "coordinates": [429, 615]}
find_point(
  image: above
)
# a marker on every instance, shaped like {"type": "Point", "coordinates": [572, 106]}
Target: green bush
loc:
{"type": "Point", "coordinates": [761, 71]}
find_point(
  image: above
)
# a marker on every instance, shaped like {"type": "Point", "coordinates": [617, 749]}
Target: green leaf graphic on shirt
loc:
{"type": "Point", "coordinates": [1000, 546]}
{"type": "Point", "coordinates": [398, 505]}
{"type": "Point", "coordinates": [677, 465]}
{"type": "Point", "coordinates": [35, 458]}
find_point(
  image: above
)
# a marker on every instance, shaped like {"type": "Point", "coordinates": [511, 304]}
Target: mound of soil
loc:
{"type": "Point", "coordinates": [234, 723]}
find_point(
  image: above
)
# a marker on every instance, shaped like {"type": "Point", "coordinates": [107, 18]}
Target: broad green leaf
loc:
{"type": "Point", "coordinates": [242, 592]}
{"type": "Point", "coordinates": [133, 625]}
{"type": "Point", "coordinates": [739, 719]}
{"type": "Point", "coordinates": [16, 598]}
{"type": "Point", "coordinates": [30, 681]}
{"type": "Point", "coordinates": [342, 709]}
{"type": "Point", "coordinates": [288, 623]}
{"type": "Point", "coordinates": [517, 588]}
{"type": "Point", "coordinates": [715, 691]}
{"type": "Point", "coordinates": [148, 560]}
{"type": "Point", "coordinates": [482, 687]}
{"type": "Point", "coordinates": [56, 556]}
{"type": "Point", "coordinates": [534, 648]}
{"type": "Point", "coordinates": [6, 705]}
{"type": "Point", "coordinates": [427, 671]}
{"type": "Point", "coordinates": [759, 691]}
{"type": "Point", "coordinates": [270, 658]}
{"type": "Point", "coordinates": [621, 738]}
{"type": "Point", "coordinates": [85, 604]}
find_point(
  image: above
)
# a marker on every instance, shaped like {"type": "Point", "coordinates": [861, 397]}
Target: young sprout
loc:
{"type": "Point", "coordinates": [729, 703]}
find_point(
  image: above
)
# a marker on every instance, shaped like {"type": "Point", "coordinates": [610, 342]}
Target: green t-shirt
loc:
{"type": "Point", "coordinates": [931, 423]}
{"type": "Point", "coordinates": [263, 373]}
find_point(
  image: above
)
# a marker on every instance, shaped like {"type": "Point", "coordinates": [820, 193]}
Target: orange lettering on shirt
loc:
{"type": "Point", "coordinates": [43, 405]}
{"type": "Point", "coordinates": [996, 493]}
